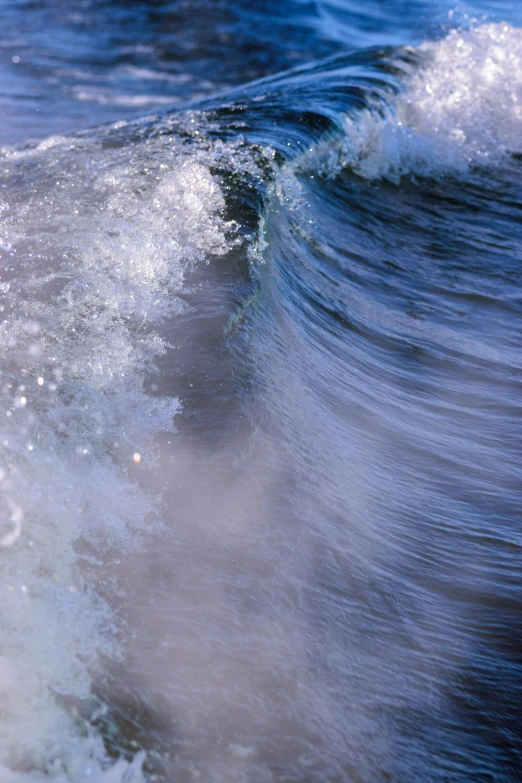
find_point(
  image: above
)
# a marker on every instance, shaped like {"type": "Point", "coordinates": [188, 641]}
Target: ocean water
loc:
{"type": "Point", "coordinates": [261, 377]}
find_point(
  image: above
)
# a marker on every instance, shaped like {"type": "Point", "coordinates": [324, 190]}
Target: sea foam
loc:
{"type": "Point", "coordinates": [462, 108]}
{"type": "Point", "coordinates": [96, 238]}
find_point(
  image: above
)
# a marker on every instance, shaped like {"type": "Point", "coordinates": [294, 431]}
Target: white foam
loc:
{"type": "Point", "coordinates": [95, 245]}
{"type": "Point", "coordinates": [462, 109]}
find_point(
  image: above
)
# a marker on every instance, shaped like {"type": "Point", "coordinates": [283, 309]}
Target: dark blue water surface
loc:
{"type": "Point", "coordinates": [88, 62]}
{"type": "Point", "coordinates": [261, 415]}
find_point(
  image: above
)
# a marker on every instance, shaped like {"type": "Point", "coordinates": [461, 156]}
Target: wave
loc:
{"type": "Point", "coordinates": [459, 110]}
{"type": "Point", "coordinates": [96, 242]}
{"type": "Point", "coordinates": [99, 234]}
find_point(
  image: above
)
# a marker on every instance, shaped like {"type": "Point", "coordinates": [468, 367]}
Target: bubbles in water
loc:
{"type": "Point", "coordinates": [103, 237]}
{"type": "Point", "coordinates": [462, 108]}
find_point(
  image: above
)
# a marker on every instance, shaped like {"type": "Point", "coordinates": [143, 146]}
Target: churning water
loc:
{"type": "Point", "coordinates": [261, 380]}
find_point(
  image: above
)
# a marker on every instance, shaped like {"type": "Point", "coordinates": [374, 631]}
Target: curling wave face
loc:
{"type": "Point", "coordinates": [230, 339]}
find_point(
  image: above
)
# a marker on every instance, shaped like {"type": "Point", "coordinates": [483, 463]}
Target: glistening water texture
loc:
{"type": "Point", "coordinates": [261, 387]}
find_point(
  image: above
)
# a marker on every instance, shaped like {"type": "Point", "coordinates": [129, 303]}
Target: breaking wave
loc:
{"type": "Point", "coordinates": [101, 234]}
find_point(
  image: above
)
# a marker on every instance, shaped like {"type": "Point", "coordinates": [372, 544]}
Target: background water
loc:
{"type": "Point", "coordinates": [261, 392]}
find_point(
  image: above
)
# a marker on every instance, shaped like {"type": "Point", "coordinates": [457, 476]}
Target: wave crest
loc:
{"type": "Point", "coordinates": [461, 109]}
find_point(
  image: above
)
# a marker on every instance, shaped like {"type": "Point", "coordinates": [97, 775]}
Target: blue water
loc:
{"type": "Point", "coordinates": [90, 62]}
{"type": "Point", "coordinates": [260, 288]}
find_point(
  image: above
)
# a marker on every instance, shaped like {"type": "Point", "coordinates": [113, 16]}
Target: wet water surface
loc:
{"type": "Point", "coordinates": [261, 392]}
